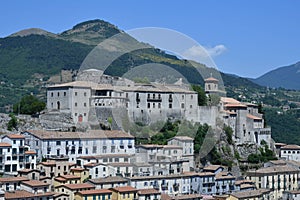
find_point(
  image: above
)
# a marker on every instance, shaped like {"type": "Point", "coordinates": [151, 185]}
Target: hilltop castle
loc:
{"type": "Point", "coordinates": [98, 98]}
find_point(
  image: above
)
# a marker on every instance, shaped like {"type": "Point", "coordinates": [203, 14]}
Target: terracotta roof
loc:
{"type": "Point", "coordinates": [35, 183]}
{"type": "Point", "coordinates": [148, 191]}
{"type": "Point", "coordinates": [290, 147]}
{"type": "Point", "coordinates": [13, 179]}
{"type": "Point", "coordinates": [48, 163]}
{"type": "Point", "coordinates": [165, 197]}
{"type": "Point", "coordinates": [254, 117]}
{"type": "Point", "coordinates": [21, 194]}
{"type": "Point", "coordinates": [69, 177]}
{"type": "Point", "coordinates": [124, 189]}
{"type": "Point", "coordinates": [28, 170]}
{"type": "Point", "coordinates": [96, 191]}
{"type": "Point", "coordinates": [92, 134]}
{"type": "Point", "coordinates": [250, 193]}
{"type": "Point", "coordinates": [235, 105]}
{"type": "Point", "coordinates": [15, 136]}
{"type": "Point", "coordinates": [229, 100]}
{"type": "Point", "coordinates": [4, 144]}
{"type": "Point", "coordinates": [109, 179]}
{"type": "Point", "coordinates": [78, 186]}
{"type": "Point", "coordinates": [30, 152]}
{"type": "Point", "coordinates": [211, 79]}
{"type": "Point", "coordinates": [77, 169]}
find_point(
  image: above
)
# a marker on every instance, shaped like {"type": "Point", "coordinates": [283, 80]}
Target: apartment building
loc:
{"type": "Point", "coordinates": [15, 155]}
{"type": "Point", "coordinates": [76, 144]}
{"type": "Point", "coordinates": [277, 178]}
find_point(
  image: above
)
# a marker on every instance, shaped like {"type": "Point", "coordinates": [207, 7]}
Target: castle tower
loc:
{"type": "Point", "coordinates": [211, 85]}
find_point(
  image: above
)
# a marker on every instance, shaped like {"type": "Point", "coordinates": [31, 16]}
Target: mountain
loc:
{"type": "Point", "coordinates": [285, 77]}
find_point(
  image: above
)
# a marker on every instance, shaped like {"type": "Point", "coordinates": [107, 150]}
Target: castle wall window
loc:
{"type": "Point", "coordinates": [58, 94]}
{"type": "Point", "coordinates": [148, 105]}
{"type": "Point", "coordinates": [84, 94]}
{"type": "Point", "coordinates": [182, 105]}
{"type": "Point", "coordinates": [75, 104]}
{"type": "Point", "coordinates": [153, 105]}
{"type": "Point", "coordinates": [170, 105]}
{"type": "Point", "coordinates": [65, 94]}
{"type": "Point", "coordinates": [84, 104]}
{"type": "Point", "coordinates": [51, 94]}
{"type": "Point", "coordinates": [75, 93]}
{"type": "Point", "coordinates": [159, 105]}
{"type": "Point", "coordinates": [191, 96]}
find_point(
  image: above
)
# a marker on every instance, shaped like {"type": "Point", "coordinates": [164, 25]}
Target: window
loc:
{"type": "Point", "coordinates": [191, 96]}
{"type": "Point", "coordinates": [58, 94]}
{"type": "Point", "coordinates": [58, 143]}
{"type": "Point", "coordinates": [75, 93]}
{"type": "Point", "coordinates": [51, 94]}
{"type": "Point", "coordinates": [153, 105]}
{"type": "Point", "coordinates": [148, 105]}
{"type": "Point", "coordinates": [84, 104]}
{"type": "Point", "coordinates": [182, 105]}
{"type": "Point", "coordinates": [159, 105]}
{"type": "Point", "coordinates": [94, 149]}
{"type": "Point", "coordinates": [191, 106]}
{"type": "Point", "coordinates": [84, 94]}
{"type": "Point", "coordinates": [75, 104]}
{"type": "Point", "coordinates": [170, 105]}
{"type": "Point", "coordinates": [65, 94]}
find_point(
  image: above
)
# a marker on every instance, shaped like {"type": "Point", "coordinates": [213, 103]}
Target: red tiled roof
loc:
{"type": "Point", "coordinates": [290, 146]}
{"type": "Point", "coordinates": [125, 189]}
{"type": "Point", "coordinates": [13, 179]}
{"type": "Point", "coordinates": [35, 183]}
{"type": "Point", "coordinates": [21, 194]}
{"type": "Point", "coordinates": [30, 152]}
{"type": "Point", "coordinates": [78, 186]}
{"type": "Point", "coordinates": [77, 169]}
{"type": "Point", "coordinates": [15, 136]}
{"type": "Point", "coordinates": [211, 79]}
{"type": "Point", "coordinates": [4, 144]}
{"type": "Point", "coordinates": [253, 117]}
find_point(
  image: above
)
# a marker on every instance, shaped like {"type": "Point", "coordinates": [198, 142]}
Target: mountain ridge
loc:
{"type": "Point", "coordinates": [286, 77]}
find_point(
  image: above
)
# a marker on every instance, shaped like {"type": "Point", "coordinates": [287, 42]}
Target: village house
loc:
{"type": "Point", "coordinates": [290, 152]}
{"type": "Point", "coordinates": [103, 194]}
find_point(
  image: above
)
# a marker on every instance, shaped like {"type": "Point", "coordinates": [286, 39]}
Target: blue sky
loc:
{"type": "Point", "coordinates": [247, 38]}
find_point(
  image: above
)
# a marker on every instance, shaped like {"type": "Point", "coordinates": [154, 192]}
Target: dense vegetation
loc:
{"type": "Point", "coordinates": [285, 125]}
{"type": "Point", "coordinates": [29, 105]}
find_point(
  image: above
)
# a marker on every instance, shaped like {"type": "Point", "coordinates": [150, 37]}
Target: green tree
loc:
{"type": "Point", "coordinates": [201, 94]}
{"type": "Point", "coordinates": [12, 123]}
{"type": "Point", "coordinates": [29, 104]}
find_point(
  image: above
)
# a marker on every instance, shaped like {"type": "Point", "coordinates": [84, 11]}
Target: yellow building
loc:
{"type": "Point", "coordinates": [80, 172]}
{"type": "Point", "coordinates": [124, 193]}
{"type": "Point", "coordinates": [72, 189]}
{"type": "Point", "coordinates": [98, 194]}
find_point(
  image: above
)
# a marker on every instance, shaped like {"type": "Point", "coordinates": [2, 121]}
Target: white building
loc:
{"type": "Point", "coordinates": [76, 144]}
{"type": "Point", "coordinates": [15, 155]}
{"type": "Point", "coordinates": [290, 152]}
